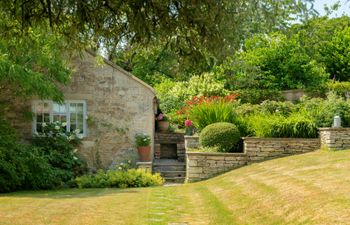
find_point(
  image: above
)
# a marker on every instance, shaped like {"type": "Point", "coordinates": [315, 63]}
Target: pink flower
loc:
{"type": "Point", "coordinates": [188, 123]}
{"type": "Point", "coordinates": [160, 116]}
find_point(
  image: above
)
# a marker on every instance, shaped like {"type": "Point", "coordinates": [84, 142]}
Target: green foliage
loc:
{"type": "Point", "coordinates": [276, 125]}
{"type": "Point", "coordinates": [120, 179]}
{"type": "Point", "coordinates": [23, 166]}
{"type": "Point", "coordinates": [224, 136]}
{"type": "Point", "coordinates": [273, 62]}
{"type": "Point", "coordinates": [208, 113]}
{"type": "Point", "coordinates": [206, 84]}
{"type": "Point", "coordinates": [32, 65]}
{"type": "Point", "coordinates": [322, 111]}
{"type": "Point", "coordinates": [326, 41]}
{"type": "Point", "coordinates": [336, 54]}
{"type": "Point", "coordinates": [60, 150]}
{"type": "Point", "coordinates": [255, 96]}
{"type": "Point", "coordinates": [169, 101]}
{"type": "Point", "coordinates": [10, 174]}
{"type": "Point", "coordinates": [142, 140]}
{"type": "Point", "coordinates": [172, 95]}
{"type": "Point", "coordinates": [339, 88]}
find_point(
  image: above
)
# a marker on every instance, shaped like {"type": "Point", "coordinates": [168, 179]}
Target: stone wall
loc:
{"type": "Point", "coordinates": [170, 138]}
{"type": "Point", "coordinates": [191, 142]}
{"type": "Point", "coordinates": [201, 165]}
{"type": "Point", "coordinates": [293, 95]}
{"type": "Point", "coordinates": [119, 105]}
{"type": "Point", "coordinates": [335, 138]}
{"type": "Point", "coordinates": [258, 149]}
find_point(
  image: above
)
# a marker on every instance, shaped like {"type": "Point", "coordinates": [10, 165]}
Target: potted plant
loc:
{"type": "Point", "coordinates": [163, 123]}
{"type": "Point", "coordinates": [143, 142]}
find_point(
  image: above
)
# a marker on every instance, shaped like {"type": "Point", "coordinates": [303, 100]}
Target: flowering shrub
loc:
{"type": "Point", "coordinates": [203, 111]}
{"type": "Point", "coordinates": [60, 148]}
{"type": "Point", "coordinates": [162, 117]}
{"type": "Point", "coordinates": [142, 140]}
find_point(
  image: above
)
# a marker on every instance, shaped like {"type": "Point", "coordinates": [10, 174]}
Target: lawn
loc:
{"type": "Point", "coordinates": [313, 188]}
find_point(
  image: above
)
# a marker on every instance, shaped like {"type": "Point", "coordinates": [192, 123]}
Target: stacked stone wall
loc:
{"type": "Point", "coordinates": [202, 165]}
{"type": "Point", "coordinates": [259, 149]}
{"type": "Point", "coordinates": [335, 138]}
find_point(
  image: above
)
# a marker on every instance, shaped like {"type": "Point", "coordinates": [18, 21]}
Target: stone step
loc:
{"type": "Point", "coordinates": [170, 174]}
{"type": "Point", "coordinates": [175, 179]}
{"type": "Point", "coordinates": [169, 168]}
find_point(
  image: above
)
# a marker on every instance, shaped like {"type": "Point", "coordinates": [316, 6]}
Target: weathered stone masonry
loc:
{"type": "Point", "coordinates": [119, 105]}
{"type": "Point", "coordinates": [335, 138]}
{"type": "Point", "coordinates": [205, 165]}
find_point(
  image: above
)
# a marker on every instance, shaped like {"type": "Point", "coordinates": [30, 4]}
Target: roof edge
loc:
{"type": "Point", "coordinates": [108, 62]}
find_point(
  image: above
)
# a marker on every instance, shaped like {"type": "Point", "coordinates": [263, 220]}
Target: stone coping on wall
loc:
{"type": "Point", "coordinates": [191, 136]}
{"type": "Point", "coordinates": [334, 129]}
{"type": "Point", "coordinates": [216, 153]}
{"type": "Point", "coordinates": [279, 139]}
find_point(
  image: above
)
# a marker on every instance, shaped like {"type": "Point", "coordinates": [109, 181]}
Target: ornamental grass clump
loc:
{"type": "Point", "coordinates": [276, 125]}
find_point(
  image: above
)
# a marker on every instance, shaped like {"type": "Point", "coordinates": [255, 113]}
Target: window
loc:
{"type": "Point", "coordinates": [71, 112]}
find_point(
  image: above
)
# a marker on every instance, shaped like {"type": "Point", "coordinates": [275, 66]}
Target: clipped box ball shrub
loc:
{"type": "Point", "coordinates": [224, 136]}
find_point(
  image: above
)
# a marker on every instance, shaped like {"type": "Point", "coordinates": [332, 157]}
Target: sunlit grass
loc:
{"type": "Point", "coordinates": [313, 188]}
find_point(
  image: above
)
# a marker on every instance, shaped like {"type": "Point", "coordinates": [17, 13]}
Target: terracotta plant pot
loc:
{"type": "Point", "coordinates": [144, 153]}
{"type": "Point", "coordinates": [163, 126]}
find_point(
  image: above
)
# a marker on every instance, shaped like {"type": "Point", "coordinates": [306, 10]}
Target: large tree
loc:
{"type": "Point", "coordinates": [196, 31]}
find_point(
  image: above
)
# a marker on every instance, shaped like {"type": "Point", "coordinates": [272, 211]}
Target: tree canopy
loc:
{"type": "Point", "coordinates": [199, 30]}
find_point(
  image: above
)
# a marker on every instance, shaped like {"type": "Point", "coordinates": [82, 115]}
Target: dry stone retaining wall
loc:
{"type": "Point", "coordinates": [205, 165]}
{"type": "Point", "coordinates": [202, 165]}
{"type": "Point", "coordinates": [258, 149]}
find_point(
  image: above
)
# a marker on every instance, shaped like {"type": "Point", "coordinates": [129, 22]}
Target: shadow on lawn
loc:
{"type": "Point", "coordinates": [72, 193]}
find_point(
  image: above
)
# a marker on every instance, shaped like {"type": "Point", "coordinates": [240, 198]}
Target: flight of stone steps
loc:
{"type": "Point", "coordinates": [169, 156]}
{"type": "Point", "coordinates": [171, 170]}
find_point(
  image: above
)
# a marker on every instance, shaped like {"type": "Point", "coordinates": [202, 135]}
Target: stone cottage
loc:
{"type": "Point", "coordinates": [107, 104]}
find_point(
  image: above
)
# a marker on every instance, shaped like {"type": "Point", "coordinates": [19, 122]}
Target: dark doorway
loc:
{"type": "Point", "coordinates": [168, 151]}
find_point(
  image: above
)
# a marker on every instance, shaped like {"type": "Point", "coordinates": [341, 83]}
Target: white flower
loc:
{"type": "Point", "coordinates": [121, 164]}
{"type": "Point", "coordinates": [71, 137]}
{"type": "Point", "coordinates": [75, 158]}
{"type": "Point", "coordinates": [75, 150]}
{"type": "Point", "coordinates": [129, 161]}
{"type": "Point", "coordinates": [64, 124]}
{"type": "Point", "coordinates": [57, 127]}
{"type": "Point", "coordinates": [43, 124]}
{"type": "Point", "coordinates": [119, 168]}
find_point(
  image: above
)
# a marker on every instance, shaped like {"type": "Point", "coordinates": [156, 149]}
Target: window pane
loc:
{"type": "Point", "coordinates": [59, 112]}
{"type": "Point", "coordinates": [76, 117]}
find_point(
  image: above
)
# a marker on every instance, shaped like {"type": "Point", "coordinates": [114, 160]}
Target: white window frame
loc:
{"type": "Point", "coordinates": [66, 103]}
